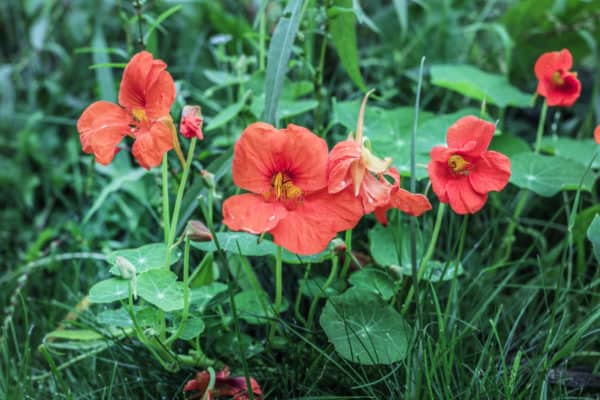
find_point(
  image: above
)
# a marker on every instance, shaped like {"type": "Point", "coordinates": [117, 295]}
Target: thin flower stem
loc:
{"type": "Point", "coordinates": [328, 282]}
{"type": "Point", "coordinates": [138, 11]}
{"type": "Point", "coordinates": [348, 257]}
{"type": "Point", "coordinates": [428, 254]}
{"type": "Point", "coordinates": [540, 129]}
{"type": "Point", "coordinates": [413, 188]}
{"type": "Point", "coordinates": [180, 191]}
{"type": "Point", "coordinates": [262, 39]}
{"type": "Point", "coordinates": [278, 289]}
{"type": "Point", "coordinates": [297, 312]}
{"type": "Point", "coordinates": [186, 289]}
{"type": "Point", "coordinates": [165, 196]}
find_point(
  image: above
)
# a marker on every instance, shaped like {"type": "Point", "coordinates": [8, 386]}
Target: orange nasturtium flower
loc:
{"type": "Point", "coordinates": [353, 167]}
{"type": "Point", "coordinates": [145, 97]}
{"type": "Point", "coordinates": [464, 172]}
{"type": "Point", "coordinates": [286, 172]}
{"type": "Point", "coordinates": [556, 83]}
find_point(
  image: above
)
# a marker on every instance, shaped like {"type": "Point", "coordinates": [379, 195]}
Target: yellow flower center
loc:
{"type": "Point", "coordinates": [139, 114]}
{"type": "Point", "coordinates": [282, 188]}
{"type": "Point", "coordinates": [458, 164]}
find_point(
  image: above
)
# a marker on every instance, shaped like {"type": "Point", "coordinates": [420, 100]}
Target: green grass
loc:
{"type": "Point", "coordinates": [520, 327]}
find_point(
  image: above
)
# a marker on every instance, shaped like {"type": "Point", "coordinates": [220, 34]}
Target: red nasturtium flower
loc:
{"type": "Point", "coordinates": [225, 385]}
{"type": "Point", "coordinates": [286, 172]}
{"type": "Point", "coordinates": [145, 97]}
{"type": "Point", "coordinates": [556, 83]}
{"type": "Point", "coordinates": [407, 202]}
{"type": "Point", "coordinates": [353, 167]}
{"type": "Point", "coordinates": [464, 172]}
{"type": "Point", "coordinates": [191, 122]}
{"type": "Point", "coordinates": [597, 134]}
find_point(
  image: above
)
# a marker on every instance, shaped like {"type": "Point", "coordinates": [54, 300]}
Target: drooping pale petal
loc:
{"type": "Point", "coordinates": [310, 227]}
{"type": "Point", "coordinates": [490, 173]}
{"type": "Point", "coordinates": [339, 165]}
{"type": "Point", "coordinates": [146, 85]}
{"type": "Point", "coordinates": [101, 127]}
{"type": "Point", "coordinates": [255, 157]}
{"type": "Point", "coordinates": [251, 213]}
{"type": "Point", "coordinates": [151, 144]}
{"type": "Point", "coordinates": [470, 129]}
{"type": "Point", "coordinates": [462, 198]}
{"type": "Point", "coordinates": [439, 175]}
{"type": "Point", "coordinates": [374, 193]}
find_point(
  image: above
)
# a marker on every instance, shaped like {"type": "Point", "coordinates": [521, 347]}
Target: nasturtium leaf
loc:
{"type": "Point", "coordinates": [246, 244]}
{"type": "Point", "coordinates": [201, 296]}
{"type": "Point", "coordinates": [582, 151]}
{"type": "Point", "coordinates": [435, 271]}
{"type": "Point", "coordinates": [109, 290]}
{"type": "Point", "coordinates": [313, 287]}
{"type": "Point", "coordinates": [75, 334]}
{"type": "Point", "coordinates": [160, 288]}
{"type": "Point", "coordinates": [509, 145]}
{"type": "Point", "coordinates": [255, 307]}
{"type": "Point", "coordinates": [228, 345]}
{"type": "Point", "coordinates": [548, 175]}
{"type": "Point", "coordinates": [479, 85]}
{"type": "Point", "coordinates": [375, 281]}
{"type": "Point", "coordinates": [364, 329]}
{"type": "Point", "coordinates": [342, 27]}
{"type": "Point", "coordinates": [384, 246]}
{"type": "Point", "coordinates": [145, 258]}
{"type": "Point", "coordinates": [593, 234]}
{"type": "Point", "coordinates": [145, 316]}
{"type": "Point", "coordinates": [193, 327]}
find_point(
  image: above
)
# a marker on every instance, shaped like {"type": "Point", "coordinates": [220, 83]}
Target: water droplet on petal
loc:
{"type": "Point", "coordinates": [271, 218]}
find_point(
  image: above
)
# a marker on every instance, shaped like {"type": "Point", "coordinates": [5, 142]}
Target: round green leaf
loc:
{"type": "Point", "coordinates": [145, 258]}
{"type": "Point", "coordinates": [193, 328]}
{"type": "Point", "coordinates": [160, 288]}
{"type": "Point", "coordinates": [364, 329]}
{"type": "Point", "coordinates": [581, 151]}
{"type": "Point", "coordinates": [109, 290]}
{"type": "Point", "coordinates": [375, 281]}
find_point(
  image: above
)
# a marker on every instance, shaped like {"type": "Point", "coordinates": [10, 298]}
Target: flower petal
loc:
{"type": "Point", "coordinates": [439, 175]}
{"type": "Point", "coordinates": [564, 95]}
{"type": "Point", "coordinates": [304, 158]}
{"type": "Point", "coordinates": [597, 134]}
{"type": "Point", "coordinates": [490, 173]}
{"type": "Point", "coordinates": [310, 227]}
{"type": "Point", "coordinates": [251, 213]}
{"type": "Point", "coordinates": [550, 62]}
{"type": "Point", "coordinates": [339, 165]}
{"type": "Point", "coordinates": [462, 198]}
{"type": "Point", "coordinates": [374, 193]}
{"type": "Point", "coordinates": [410, 203]}
{"type": "Point", "coordinates": [255, 157]}
{"type": "Point", "coordinates": [147, 85]}
{"type": "Point", "coordinates": [470, 129]}
{"type": "Point", "coordinates": [101, 127]}
{"type": "Point", "coordinates": [151, 144]}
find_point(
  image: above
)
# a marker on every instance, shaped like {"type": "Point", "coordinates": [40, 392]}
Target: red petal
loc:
{"type": "Point", "coordinates": [304, 158]}
{"type": "Point", "coordinates": [463, 199]}
{"type": "Point", "coordinates": [374, 193]}
{"type": "Point", "coordinates": [439, 175]}
{"type": "Point", "coordinates": [151, 145]}
{"type": "Point", "coordinates": [490, 173]}
{"type": "Point", "coordinates": [470, 129]}
{"type": "Point", "coordinates": [101, 127]}
{"type": "Point", "coordinates": [550, 62]}
{"type": "Point", "coordinates": [251, 213]}
{"type": "Point", "coordinates": [561, 96]}
{"type": "Point", "coordinates": [410, 203]}
{"type": "Point", "coordinates": [381, 215]}
{"type": "Point", "coordinates": [147, 85]}
{"type": "Point", "coordinates": [339, 164]}
{"type": "Point", "coordinates": [441, 154]}
{"type": "Point", "coordinates": [597, 134]}
{"type": "Point", "coordinates": [190, 124]}
{"type": "Point", "coordinates": [309, 228]}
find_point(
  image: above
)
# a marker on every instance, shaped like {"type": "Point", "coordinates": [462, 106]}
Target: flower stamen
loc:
{"type": "Point", "coordinates": [282, 188]}
{"type": "Point", "coordinates": [458, 164]}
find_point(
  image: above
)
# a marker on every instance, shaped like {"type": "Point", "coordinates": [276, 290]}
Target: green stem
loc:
{"type": "Point", "coordinates": [186, 273]}
{"type": "Point", "coordinates": [297, 312]}
{"type": "Point", "coordinates": [180, 191]}
{"type": "Point", "coordinates": [510, 231]}
{"type": "Point", "coordinates": [348, 257]}
{"type": "Point", "coordinates": [165, 196]}
{"type": "Point", "coordinates": [262, 39]}
{"type": "Point", "coordinates": [428, 254]}
{"type": "Point", "coordinates": [328, 282]}
{"type": "Point", "coordinates": [540, 129]}
{"type": "Point", "coordinates": [278, 289]}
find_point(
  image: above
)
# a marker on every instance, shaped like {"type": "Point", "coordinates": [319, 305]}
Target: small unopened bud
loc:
{"type": "Point", "coordinates": [208, 178]}
{"type": "Point", "coordinates": [191, 122]}
{"type": "Point", "coordinates": [339, 246]}
{"type": "Point", "coordinates": [128, 271]}
{"type": "Point", "coordinates": [198, 232]}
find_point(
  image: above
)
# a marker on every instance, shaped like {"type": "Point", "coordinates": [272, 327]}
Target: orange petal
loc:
{"type": "Point", "coordinates": [597, 134]}
{"type": "Point", "coordinates": [550, 62]}
{"type": "Point", "coordinates": [410, 203]}
{"type": "Point", "coordinates": [251, 213]}
{"type": "Point", "coordinates": [471, 135]}
{"type": "Point", "coordinates": [439, 175]}
{"type": "Point", "coordinates": [151, 144]}
{"type": "Point", "coordinates": [374, 193]}
{"type": "Point", "coordinates": [462, 198]}
{"type": "Point", "coordinates": [101, 127]}
{"type": "Point", "coordinates": [490, 173]}
{"type": "Point", "coordinates": [339, 165]}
